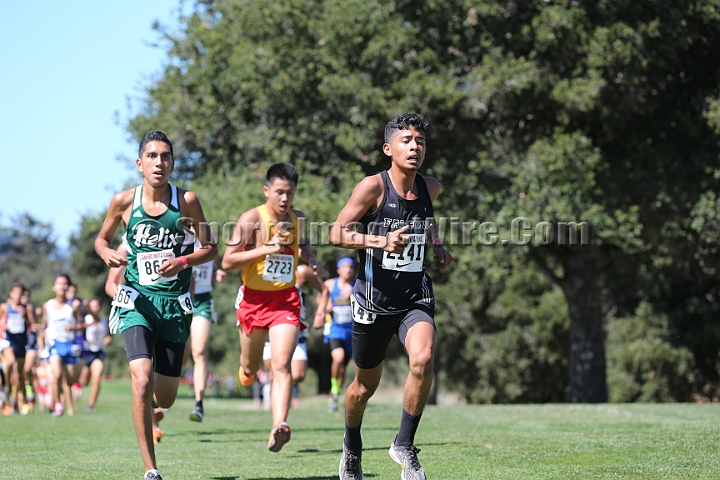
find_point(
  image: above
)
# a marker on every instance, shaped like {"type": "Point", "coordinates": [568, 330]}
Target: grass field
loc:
{"type": "Point", "coordinates": [671, 441]}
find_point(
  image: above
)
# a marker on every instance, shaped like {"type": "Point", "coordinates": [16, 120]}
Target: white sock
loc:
{"type": "Point", "coordinates": [152, 470]}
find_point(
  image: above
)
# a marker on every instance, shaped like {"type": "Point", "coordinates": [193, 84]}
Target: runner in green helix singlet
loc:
{"type": "Point", "coordinates": [153, 309]}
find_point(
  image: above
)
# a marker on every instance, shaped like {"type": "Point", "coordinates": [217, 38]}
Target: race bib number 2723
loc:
{"type": "Point", "coordinates": [279, 268]}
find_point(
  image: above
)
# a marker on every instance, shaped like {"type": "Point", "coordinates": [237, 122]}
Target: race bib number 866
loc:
{"type": "Point", "coordinates": [148, 264]}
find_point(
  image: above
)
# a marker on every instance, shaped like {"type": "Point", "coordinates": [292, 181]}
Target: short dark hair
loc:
{"type": "Point", "coordinates": [66, 276]}
{"type": "Point", "coordinates": [152, 136]}
{"type": "Point", "coordinates": [18, 285]}
{"type": "Point", "coordinates": [283, 171]}
{"type": "Point", "coordinates": [403, 122]}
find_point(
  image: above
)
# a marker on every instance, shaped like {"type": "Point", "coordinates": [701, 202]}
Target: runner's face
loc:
{"type": "Point", "coordinates": [346, 272]}
{"type": "Point", "coordinates": [406, 148]}
{"type": "Point", "coordinates": [156, 163]}
{"type": "Point", "coordinates": [60, 286]}
{"type": "Point", "coordinates": [94, 307]}
{"type": "Point", "coordinates": [25, 297]}
{"type": "Point", "coordinates": [15, 294]}
{"type": "Point", "coordinates": [280, 195]}
{"type": "Point", "coordinates": [71, 291]}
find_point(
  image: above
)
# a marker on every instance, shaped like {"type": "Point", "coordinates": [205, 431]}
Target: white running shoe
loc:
{"type": "Point", "coordinates": [152, 475]}
{"type": "Point", "coordinates": [407, 458]}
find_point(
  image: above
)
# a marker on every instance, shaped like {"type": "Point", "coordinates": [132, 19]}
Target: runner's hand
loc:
{"type": "Point", "coordinates": [441, 256]}
{"type": "Point", "coordinates": [276, 244]}
{"type": "Point", "coordinates": [396, 241]}
{"type": "Point", "coordinates": [113, 259]}
{"type": "Point", "coordinates": [220, 275]}
{"type": "Point", "coordinates": [170, 268]}
{"type": "Point", "coordinates": [317, 267]}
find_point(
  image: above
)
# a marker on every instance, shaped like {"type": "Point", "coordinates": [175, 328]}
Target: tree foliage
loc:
{"type": "Point", "coordinates": [28, 254]}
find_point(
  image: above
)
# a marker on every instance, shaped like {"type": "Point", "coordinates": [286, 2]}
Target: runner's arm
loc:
{"type": "Point", "coordinates": [192, 210]}
{"type": "Point", "coordinates": [3, 322]}
{"type": "Point", "coordinates": [319, 320]}
{"type": "Point", "coordinates": [441, 256]}
{"type": "Point", "coordinates": [30, 312]}
{"type": "Point", "coordinates": [107, 340]}
{"type": "Point", "coordinates": [118, 205]}
{"type": "Point", "coordinates": [79, 320]}
{"type": "Point", "coordinates": [236, 257]}
{"type": "Point", "coordinates": [306, 252]}
{"type": "Point", "coordinates": [115, 275]}
{"type": "Point", "coordinates": [364, 199]}
{"type": "Point", "coordinates": [43, 323]}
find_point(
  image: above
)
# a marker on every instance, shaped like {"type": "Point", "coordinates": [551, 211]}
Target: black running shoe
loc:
{"type": "Point", "coordinates": [350, 466]}
{"type": "Point", "coordinates": [407, 458]}
{"type": "Point", "coordinates": [197, 414]}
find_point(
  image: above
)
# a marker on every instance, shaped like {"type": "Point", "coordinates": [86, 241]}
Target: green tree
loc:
{"type": "Point", "coordinates": [90, 271]}
{"type": "Point", "coordinates": [29, 254]}
{"type": "Point", "coordinates": [643, 365]}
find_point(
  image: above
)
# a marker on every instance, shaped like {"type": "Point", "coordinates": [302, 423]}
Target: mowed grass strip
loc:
{"type": "Point", "coordinates": [666, 441]}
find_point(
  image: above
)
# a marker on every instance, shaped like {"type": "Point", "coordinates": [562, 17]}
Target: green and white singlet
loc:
{"type": "Point", "coordinates": [204, 303]}
{"type": "Point", "coordinates": [161, 304]}
{"type": "Point", "coordinates": [153, 240]}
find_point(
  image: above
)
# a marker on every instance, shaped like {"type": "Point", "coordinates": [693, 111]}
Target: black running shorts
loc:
{"type": "Point", "coordinates": [370, 341]}
{"type": "Point", "coordinates": [167, 356]}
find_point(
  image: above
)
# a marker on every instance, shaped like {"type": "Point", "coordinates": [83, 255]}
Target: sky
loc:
{"type": "Point", "coordinates": [67, 70]}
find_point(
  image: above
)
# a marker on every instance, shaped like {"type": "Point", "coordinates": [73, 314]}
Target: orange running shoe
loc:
{"type": "Point", "coordinates": [245, 380]}
{"type": "Point", "coordinates": [157, 435]}
{"type": "Point", "coordinates": [279, 436]}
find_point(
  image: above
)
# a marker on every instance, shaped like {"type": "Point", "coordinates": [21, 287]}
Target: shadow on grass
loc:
{"type": "Point", "coordinates": [370, 449]}
{"type": "Point", "coordinates": [334, 477]}
{"type": "Point", "coordinates": [230, 431]}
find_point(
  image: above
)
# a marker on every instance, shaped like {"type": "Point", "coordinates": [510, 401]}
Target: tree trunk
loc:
{"type": "Point", "coordinates": [583, 285]}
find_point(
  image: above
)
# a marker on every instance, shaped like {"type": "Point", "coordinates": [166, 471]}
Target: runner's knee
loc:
{"type": "Point", "coordinates": [141, 382]}
{"type": "Point", "coordinates": [363, 391]}
{"type": "Point", "coordinates": [198, 354]}
{"type": "Point", "coordinates": [281, 365]}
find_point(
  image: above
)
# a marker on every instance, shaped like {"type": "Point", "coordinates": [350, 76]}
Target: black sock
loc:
{"type": "Point", "coordinates": [153, 404]}
{"type": "Point", "coordinates": [199, 404]}
{"type": "Point", "coordinates": [408, 427]}
{"type": "Point", "coordinates": [353, 440]}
